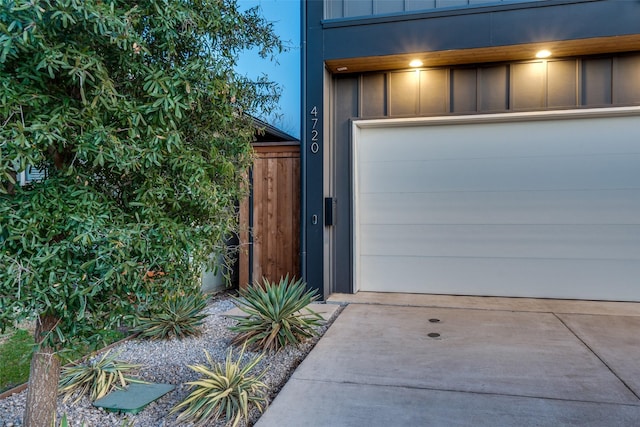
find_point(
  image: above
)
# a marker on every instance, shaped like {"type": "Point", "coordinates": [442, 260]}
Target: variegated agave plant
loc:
{"type": "Point", "coordinates": [97, 376]}
{"type": "Point", "coordinates": [277, 315]}
{"type": "Point", "coordinates": [225, 390]}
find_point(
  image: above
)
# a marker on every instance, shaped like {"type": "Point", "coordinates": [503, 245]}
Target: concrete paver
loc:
{"type": "Point", "coordinates": [613, 339]}
{"type": "Point", "coordinates": [331, 404]}
{"type": "Point", "coordinates": [377, 365]}
{"type": "Point", "coordinates": [523, 354]}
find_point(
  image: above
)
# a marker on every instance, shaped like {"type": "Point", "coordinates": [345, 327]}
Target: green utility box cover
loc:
{"type": "Point", "coordinates": [134, 398]}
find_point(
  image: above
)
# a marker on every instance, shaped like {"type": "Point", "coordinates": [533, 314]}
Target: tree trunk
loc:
{"type": "Point", "coordinates": [42, 394]}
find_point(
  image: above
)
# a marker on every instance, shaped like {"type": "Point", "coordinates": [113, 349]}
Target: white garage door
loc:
{"type": "Point", "coordinates": [532, 204]}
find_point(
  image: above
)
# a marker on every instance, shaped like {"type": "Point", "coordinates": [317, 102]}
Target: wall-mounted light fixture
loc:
{"type": "Point", "coordinates": [415, 63]}
{"type": "Point", "coordinates": [543, 54]}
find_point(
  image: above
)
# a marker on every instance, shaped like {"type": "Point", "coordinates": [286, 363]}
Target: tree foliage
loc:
{"type": "Point", "coordinates": [136, 113]}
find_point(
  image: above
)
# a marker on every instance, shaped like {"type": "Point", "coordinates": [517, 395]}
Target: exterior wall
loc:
{"type": "Point", "coordinates": [335, 30]}
{"type": "Point", "coordinates": [312, 150]}
{"type": "Point", "coordinates": [505, 24]}
{"type": "Point", "coordinates": [522, 86]}
{"type": "Point", "coordinates": [350, 8]}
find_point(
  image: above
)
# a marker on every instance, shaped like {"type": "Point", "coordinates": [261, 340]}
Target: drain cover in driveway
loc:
{"type": "Point", "coordinates": [134, 398]}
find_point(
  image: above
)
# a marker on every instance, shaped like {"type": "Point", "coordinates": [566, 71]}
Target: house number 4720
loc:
{"type": "Point", "coordinates": [314, 132]}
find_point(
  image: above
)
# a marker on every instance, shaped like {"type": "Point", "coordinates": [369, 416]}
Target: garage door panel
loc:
{"type": "Point", "coordinates": [606, 280]}
{"type": "Point", "coordinates": [502, 241]}
{"type": "Point", "coordinates": [520, 204]}
{"type": "Point", "coordinates": [513, 139]}
{"type": "Point", "coordinates": [526, 207]}
{"type": "Point", "coordinates": [502, 174]}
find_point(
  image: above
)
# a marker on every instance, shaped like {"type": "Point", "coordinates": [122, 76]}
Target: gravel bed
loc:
{"type": "Point", "coordinates": [166, 362]}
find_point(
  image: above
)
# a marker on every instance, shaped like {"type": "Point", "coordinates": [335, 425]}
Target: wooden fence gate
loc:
{"type": "Point", "coordinates": [270, 217]}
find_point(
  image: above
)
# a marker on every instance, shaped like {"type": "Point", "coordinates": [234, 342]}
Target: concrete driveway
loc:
{"type": "Point", "coordinates": [420, 360]}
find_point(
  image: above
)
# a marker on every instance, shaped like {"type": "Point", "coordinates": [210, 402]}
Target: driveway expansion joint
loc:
{"type": "Point", "coordinates": [604, 362]}
{"type": "Point", "coordinates": [470, 392]}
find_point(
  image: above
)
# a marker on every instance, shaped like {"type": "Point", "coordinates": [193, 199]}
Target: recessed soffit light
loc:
{"type": "Point", "coordinates": [543, 54]}
{"type": "Point", "coordinates": [415, 63]}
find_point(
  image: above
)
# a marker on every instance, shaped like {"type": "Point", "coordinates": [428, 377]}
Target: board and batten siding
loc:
{"type": "Point", "coordinates": [351, 8]}
{"type": "Point", "coordinates": [523, 86]}
{"type": "Point", "coordinates": [602, 81]}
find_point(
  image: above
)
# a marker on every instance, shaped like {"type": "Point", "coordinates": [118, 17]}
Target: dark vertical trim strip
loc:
{"type": "Point", "coordinates": [545, 83]}
{"type": "Point", "coordinates": [303, 151]}
{"type": "Point", "coordinates": [477, 89]}
{"type": "Point", "coordinates": [579, 73]}
{"type": "Point", "coordinates": [312, 147]}
{"type": "Point", "coordinates": [510, 84]}
{"type": "Point", "coordinates": [447, 82]}
{"type": "Point", "coordinates": [614, 68]}
{"type": "Point", "coordinates": [452, 103]}
{"type": "Point", "coordinates": [386, 94]}
{"type": "Point", "coordinates": [360, 94]}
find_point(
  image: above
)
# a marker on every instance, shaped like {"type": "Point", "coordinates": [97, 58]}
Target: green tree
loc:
{"type": "Point", "coordinates": [136, 113]}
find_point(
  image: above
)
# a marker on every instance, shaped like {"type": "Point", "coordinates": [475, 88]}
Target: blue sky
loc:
{"type": "Point", "coordinates": [285, 15]}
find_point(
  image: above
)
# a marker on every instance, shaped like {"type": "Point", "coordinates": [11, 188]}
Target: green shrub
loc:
{"type": "Point", "coordinates": [178, 316]}
{"type": "Point", "coordinates": [224, 390]}
{"type": "Point", "coordinates": [98, 376]}
{"type": "Point", "coordinates": [277, 315]}
{"type": "Point", "coordinates": [136, 113]}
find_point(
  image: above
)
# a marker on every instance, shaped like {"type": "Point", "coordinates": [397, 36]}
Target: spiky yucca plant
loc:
{"type": "Point", "coordinates": [178, 316]}
{"type": "Point", "coordinates": [98, 376]}
{"type": "Point", "coordinates": [224, 390]}
{"type": "Point", "coordinates": [278, 315]}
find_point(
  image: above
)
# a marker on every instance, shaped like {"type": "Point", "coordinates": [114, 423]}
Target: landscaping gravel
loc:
{"type": "Point", "coordinates": [166, 362]}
